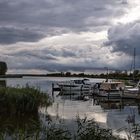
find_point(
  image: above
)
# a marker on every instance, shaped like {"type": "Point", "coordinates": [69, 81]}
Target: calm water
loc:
{"type": "Point", "coordinates": [108, 114]}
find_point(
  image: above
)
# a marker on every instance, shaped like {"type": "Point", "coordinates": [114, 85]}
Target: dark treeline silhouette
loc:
{"type": "Point", "coordinates": [110, 75]}
{"type": "Point", "coordinates": [3, 68]}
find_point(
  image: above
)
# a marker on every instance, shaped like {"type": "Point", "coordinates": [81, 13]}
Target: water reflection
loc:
{"type": "Point", "coordinates": [111, 113]}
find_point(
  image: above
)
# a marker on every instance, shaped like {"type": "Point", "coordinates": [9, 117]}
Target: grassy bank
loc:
{"type": "Point", "coordinates": [19, 110]}
{"type": "Point", "coordinates": [22, 100]}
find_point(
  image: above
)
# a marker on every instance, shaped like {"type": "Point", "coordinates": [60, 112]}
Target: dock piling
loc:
{"type": "Point", "coordinates": [52, 89]}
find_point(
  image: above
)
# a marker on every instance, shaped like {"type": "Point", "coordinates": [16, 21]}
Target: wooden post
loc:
{"type": "Point", "coordinates": [139, 90]}
{"type": "Point", "coordinates": [52, 89]}
{"type": "Point", "coordinates": [122, 96]}
{"type": "Point", "coordinates": [108, 95]}
{"type": "Point", "coordinates": [70, 88]}
{"type": "Point", "coordinates": [81, 90]}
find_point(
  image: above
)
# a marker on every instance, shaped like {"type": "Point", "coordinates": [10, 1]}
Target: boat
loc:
{"type": "Point", "coordinates": [77, 85]}
{"type": "Point", "coordinates": [109, 89]}
{"type": "Point", "coordinates": [132, 92]}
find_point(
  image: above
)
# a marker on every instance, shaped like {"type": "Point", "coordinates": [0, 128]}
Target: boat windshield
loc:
{"type": "Point", "coordinates": [78, 81]}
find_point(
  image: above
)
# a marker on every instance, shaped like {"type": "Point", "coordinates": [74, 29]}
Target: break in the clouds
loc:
{"type": "Point", "coordinates": [62, 35]}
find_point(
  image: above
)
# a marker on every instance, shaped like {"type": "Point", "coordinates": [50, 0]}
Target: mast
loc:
{"type": "Point", "coordinates": [134, 57]}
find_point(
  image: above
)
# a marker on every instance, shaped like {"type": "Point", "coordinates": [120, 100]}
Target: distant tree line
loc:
{"type": "Point", "coordinates": [3, 68]}
{"type": "Point", "coordinates": [110, 75]}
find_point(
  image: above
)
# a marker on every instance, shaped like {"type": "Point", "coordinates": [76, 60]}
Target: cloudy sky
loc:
{"type": "Point", "coordinates": [39, 36]}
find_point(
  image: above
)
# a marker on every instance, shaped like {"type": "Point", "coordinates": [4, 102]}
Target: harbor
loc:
{"type": "Point", "coordinates": [110, 89]}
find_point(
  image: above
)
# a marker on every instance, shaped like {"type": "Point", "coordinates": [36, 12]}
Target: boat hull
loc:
{"type": "Point", "coordinates": [110, 94]}
{"type": "Point", "coordinates": [74, 88]}
{"type": "Point", "coordinates": [131, 93]}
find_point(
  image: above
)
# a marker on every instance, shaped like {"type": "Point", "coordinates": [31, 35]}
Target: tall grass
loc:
{"type": "Point", "coordinates": [19, 111]}
{"type": "Point", "coordinates": [90, 130]}
{"type": "Point", "coordinates": [21, 100]}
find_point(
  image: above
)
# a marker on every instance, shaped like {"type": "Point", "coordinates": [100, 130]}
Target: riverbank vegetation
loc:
{"type": "Point", "coordinates": [85, 130]}
{"type": "Point", "coordinates": [19, 110]}
{"type": "Point", "coordinates": [22, 100]}
{"type": "Point", "coordinates": [20, 119]}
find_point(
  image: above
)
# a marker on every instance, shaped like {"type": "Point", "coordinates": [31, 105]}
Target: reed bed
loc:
{"type": "Point", "coordinates": [19, 111]}
{"type": "Point", "coordinates": [22, 100]}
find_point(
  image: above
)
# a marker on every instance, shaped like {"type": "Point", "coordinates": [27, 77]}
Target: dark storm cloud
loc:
{"type": "Point", "coordinates": [51, 67]}
{"type": "Point", "coordinates": [13, 35]}
{"type": "Point", "coordinates": [41, 55]}
{"type": "Point", "coordinates": [44, 54]}
{"type": "Point", "coordinates": [125, 37]}
{"type": "Point", "coordinates": [46, 14]}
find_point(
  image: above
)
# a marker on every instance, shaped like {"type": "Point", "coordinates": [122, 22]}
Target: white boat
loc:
{"type": "Point", "coordinates": [109, 89]}
{"type": "Point", "coordinates": [75, 85]}
{"type": "Point", "coordinates": [132, 92]}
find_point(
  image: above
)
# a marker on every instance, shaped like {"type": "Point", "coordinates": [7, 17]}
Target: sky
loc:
{"type": "Point", "coordinates": [41, 36]}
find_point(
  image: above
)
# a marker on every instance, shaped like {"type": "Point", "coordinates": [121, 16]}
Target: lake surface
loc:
{"type": "Point", "coordinates": [111, 114]}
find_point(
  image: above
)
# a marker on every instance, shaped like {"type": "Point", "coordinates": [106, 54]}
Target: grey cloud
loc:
{"type": "Point", "coordinates": [33, 54]}
{"type": "Point", "coordinates": [125, 37]}
{"type": "Point", "coordinates": [52, 67]}
{"type": "Point", "coordinates": [13, 35]}
{"type": "Point", "coordinates": [44, 54]}
{"type": "Point", "coordinates": [47, 14]}
{"type": "Point", "coordinates": [51, 60]}
{"type": "Point", "coordinates": [31, 20]}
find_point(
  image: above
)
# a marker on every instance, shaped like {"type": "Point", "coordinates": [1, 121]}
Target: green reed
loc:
{"type": "Point", "coordinates": [90, 130]}
{"type": "Point", "coordinates": [19, 111]}
{"type": "Point", "coordinates": [20, 100]}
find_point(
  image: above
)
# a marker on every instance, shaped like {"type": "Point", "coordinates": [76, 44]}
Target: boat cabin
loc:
{"type": "Point", "coordinates": [112, 86]}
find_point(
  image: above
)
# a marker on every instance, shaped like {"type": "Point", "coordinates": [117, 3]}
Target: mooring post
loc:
{"type": "Point", "coordinates": [108, 95]}
{"type": "Point", "coordinates": [81, 90]}
{"type": "Point", "coordinates": [70, 88]}
{"type": "Point", "coordinates": [121, 92]}
{"type": "Point", "coordinates": [138, 97]}
{"type": "Point", "coordinates": [52, 89]}
{"type": "Point", "coordinates": [122, 96]}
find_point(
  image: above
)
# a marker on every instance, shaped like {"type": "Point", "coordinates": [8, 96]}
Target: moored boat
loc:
{"type": "Point", "coordinates": [75, 85]}
{"type": "Point", "coordinates": [109, 89]}
{"type": "Point", "coordinates": [132, 92]}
